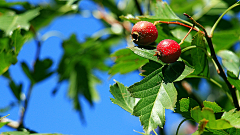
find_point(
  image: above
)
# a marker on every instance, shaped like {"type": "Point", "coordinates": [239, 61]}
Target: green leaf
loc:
{"type": "Point", "coordinates": [126, 58]}
{"type": "Point", "coordinates": [15, 133]}
{"type": "Point", "coordinates": [49, 12]}
{"type": "Point", "coordinates": [41, 70]}
{"type": "Point", "coordinates": [230, 61]}
{"type": "Point", "coordinates": [233, 117]}
{"type": "Point", "coordinates": [16, 89]}
{"type": "Point", "coordinates": [208, 114]}
{"type": "Point", "coordinates": [148, 54]}
{"type": "Point", "coordinates": [122, 97]}
{"type": "Point", "coordinates": [9, 23]}
{"type": "Point", "coordinates": [150, 67]}
{"type": "Point", "coordinates": [9, 49]}
{"type": "Point", "coordinates": [199, 57]}
{"type": "Point", "coordinates": [78, 63]}
{"type": "Point", "coordinates": [156, 95]}
{"type": "Point", "coordinates": [176, 71]}
{"type": "Point", "coordinates": [6, 59]}
{"type": "Point", "coordinates": [27, 133]}
{"type": "Point", "coordinates": [18, 40]}
{"type": "Point", "coordinates": [3, 123]}
{"type": "Point", "coordinates": [27, 71]}
{"type": "Point", "coordinates": [224, 39]}
{"type": "Point", "coordinates": [234, 81]}
{"type": "Point", "coordinates": [213, 105]}
{"type": "Point", "coordinates": [163, 11]}
{"type": "Point", "coordinates": [184, 106]}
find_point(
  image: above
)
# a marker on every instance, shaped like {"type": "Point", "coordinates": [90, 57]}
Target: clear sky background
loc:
{"type": "Point", "coordinates": [55, 114]}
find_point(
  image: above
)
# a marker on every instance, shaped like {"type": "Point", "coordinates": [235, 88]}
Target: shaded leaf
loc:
{"type": "Point", "coordinates": [230, 61]}
{"type": "Point", "coordinates": [150, 67]}
{"type": "Point", "coordinates": [122, 97]}
{"type": "Point", "coordinates": [6, 59]}
{"type": "Point", "coordinates": [199, 57]}
{"type": "Point", "coordinates": [16, 89]}
{"type": "Point", "coordinates": [126, 61]}
{"type": "Point", "coordinates": [146, 54]}
{"type": "Point", "coordinates": [49, 12]}
{"type": "Point", "coordinates": [176, 71]}
{"type": "Point", "coordinates": [224, 39]}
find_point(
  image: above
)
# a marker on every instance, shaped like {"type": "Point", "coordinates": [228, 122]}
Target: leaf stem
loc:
{"type": "Point", "coordinates": [219, 68]}
{"type": "Point", "coordinates": [187, 34]}
{"type": "Point", "coordinates": [155, 132]}
{"type": "Point", "coordinates": [209, 79]}
{"type": "Point", "coordinates": [180, 125]}
{"type": "Point", "coordinates": [218, 20]}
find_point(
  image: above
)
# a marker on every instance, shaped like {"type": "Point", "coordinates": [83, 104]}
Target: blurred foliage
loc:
{"type": "Point", "coordinates": [80, 59]}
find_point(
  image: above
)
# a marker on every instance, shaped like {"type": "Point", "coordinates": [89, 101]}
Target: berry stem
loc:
{"type": "Point", "coordinates": [219, 68]}
{"type": "Point", "coordinates": [178, 23]}
{"type": "Point", "coordinates": [187, 34]}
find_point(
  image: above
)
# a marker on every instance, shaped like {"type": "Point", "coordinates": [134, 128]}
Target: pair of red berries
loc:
{"type": "Point", "coordinates": [145, 33]}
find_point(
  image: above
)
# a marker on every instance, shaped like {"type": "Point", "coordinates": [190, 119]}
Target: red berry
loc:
{"type": "Point", "coordinates": [144, 33]}
{"type": "Point", "coordinates": [168, 51]}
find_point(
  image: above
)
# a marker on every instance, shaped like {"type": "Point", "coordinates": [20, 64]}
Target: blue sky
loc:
{"type": "Point", "coordinates": [55, 114]}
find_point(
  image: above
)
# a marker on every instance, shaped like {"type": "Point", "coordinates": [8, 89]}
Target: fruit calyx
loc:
{"type": "Point", "coordinates": [135, 36]}
{"type": "Point", "coordinates": [144, 33]}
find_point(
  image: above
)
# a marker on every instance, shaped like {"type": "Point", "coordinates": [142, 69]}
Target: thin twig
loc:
{"type": "Point", "coordinates": [25, 106]}
{"type": "Point", "coordinates": [187, 34]}
{"type": "Point", "coordinates": [220, 70]}
{"type": "Point", "coordinates": [178, 23]}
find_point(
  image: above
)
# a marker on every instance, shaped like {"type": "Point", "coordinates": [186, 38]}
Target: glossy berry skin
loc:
{"type": "Point", "coordinates": [168, 51]}
{"type": "Point", "coordinates": [144, 33]}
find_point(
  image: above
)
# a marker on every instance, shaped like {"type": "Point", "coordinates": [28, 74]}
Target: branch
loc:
{"type": "Point", "coordinates": [219, 68]}
{"type": "Point", "coordinates": [12, 123]}
{"type": "Point", "coordinates": [25, 106]}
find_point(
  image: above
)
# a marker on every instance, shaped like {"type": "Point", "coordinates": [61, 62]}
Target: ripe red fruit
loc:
{"type": "Point", "coordinates": [144, 33]}
{"type": "Point", "coordinates": [168, 51]}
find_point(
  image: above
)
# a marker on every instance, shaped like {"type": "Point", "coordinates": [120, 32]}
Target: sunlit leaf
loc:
{"type": "Point", "coordinates": [9, 23]}
{"type": "Point", "coordinates": [230, 61]}
{"type": "Point", "coordinates": [233, 116]}
{"type": "Point", "coordinates": [208, 114]}
{"type": "Point", "coordinates": [213, 105]}
{"type": "Point", "coordinates": [122, 97]}
{"type": "Point", "coordinates": [156, 96]}
{"type": "Point", "coordinates": [126, 61]}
